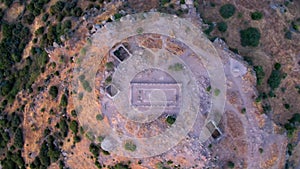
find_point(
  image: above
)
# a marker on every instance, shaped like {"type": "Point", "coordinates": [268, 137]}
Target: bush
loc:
{"type": "Point", "coordinates": [109, 66]}
{"type": "Point", "coordinates": [117, 16]}
{"type": "Point", "coordinates": [130, 146]}
{"type": "Point", "coordinates": [275, 79]}
{"type": "Point", "coordinates": [171, 119]}
{"type": "Point", "coordinates": [29, 18]}
{"type": "Point", "coordinates": [230, 164]}
{"type": "Point", "coordinates": [86, 86]}
{"type": "Point", "coordinates": [77, 12]}
{"type": "Point", "coordinates": [163, 2]}
{"type": "Point", "coordinates": [176, 67]}
{"type": "Point", "coordinates": [53, 92]}
{"type": "Point", "coordinates": [64, 101]}
{"type": "Point", "coordinates": [222, 26]}
{"type": "Point", "coordinates": [256, 15]}
{"type": "Point", "coordinates": [74, 113]}
{"type": "Point", "coordinates": [227, 10]}
{"type": "Point", "coordinates": [217, 92]}
{"type": "Point", "coordinates": [77, 139]}
{"type": "Point", "coordinates": [99, 117]}
{"type": "Point", "coordinates": [295, 118]}
{"type": "Point", "coordinates": [209, 29]}
{"type": "Point", "coordinates": [19, 138]}
{"type": "Point", "coordinates": [277, 66]}
{"type": "Point", "coordinates": [40, 30]}
{"type": "Point", "coordinates": [94, 149]}
{"type": "Point", "coordinates": [260, 74]}
{"type": "Point", "coordinates": [57, 7]}
{"type": "Point", "coordinates": [288, 35]}
{"type": "Point", "coordinates": [63, 126]}
{"type": "Point", "coordinates": [250, 37]}
{"type": "Point", "coordinates": [74, 126]}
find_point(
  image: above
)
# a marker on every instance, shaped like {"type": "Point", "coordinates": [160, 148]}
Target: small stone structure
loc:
{"type": "Point", "coordinates": [120, 53]}
{"type": "Point", "coordinates": [214, 130]}
{"type": "Point", "coordinates": [111, 91]}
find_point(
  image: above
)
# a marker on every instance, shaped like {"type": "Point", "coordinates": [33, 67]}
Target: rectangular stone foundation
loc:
{"type": "Point", "coordinates": [140, 94]}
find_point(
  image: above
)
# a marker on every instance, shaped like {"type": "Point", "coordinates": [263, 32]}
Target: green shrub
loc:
{"type": "Point", "coordinates": [63, 126]}
{"type": "Point", "coordinates": [286, 106]}
{"type": "Point", "coordinates": [227, 10]}
{"type": "Point", "coordinates": [275, 79]}
{"type": "Point", "coordinates": [117, 16]}
{"type": "Point", "coordinates": [99, 117]}
{"type": "Point", "coordinates": [109, 66]}
{"type": "Point", "coordinates": [64, 101]}
{"type": "Point", "coordinates": [94, 149]}
{"type": "Point", "coordinates": [256, 15]}
{"type": "Point", "coordinates": [250, 37]}
{"type": "Point", "coordinates": [130, 146]}
{"type": "Point", "coordinates": [53, 91]}
{"type": "Point", "coordinates": [295, 118]}
{"type": "Point", "coordinates": [277, 66]}
{"type": "Point", "coordinates": [45, 17]}
{"type": "Point", "coordinates": [29, 18]}
{"type": "Point", "coordinates": [217, 92]}
{"type": "Point", "coordinates": [171, 119]}
{"type": "Point", "coordinates": [57, 7]}
{"type": "Point", "coordinates": [77, 139]}
{"type": "Point", "coordinates": [288, 35]}
{"type": "Point", "coordinates": [260, 74]}
{"type": "Point", "coordinates": [209, 29]}
{"type": "Point", "coordinates": [74, 126]}
{"type": "Point", "coordinates": [74, 113]}
{"type": "Point", "coordinates": [222, 26]}
{"type": "Point", "coordinates": [230, 164]}
{"type": "Point", "coordinates": [163, 2]}
{"type": "Point", "coordinates": [86, 86]}
{"type": "Point", "coordinates": [40, 30]}
{"type": "Point", "coordinates": [296, 25]}
{"type": "Point", "coordinates": [19, 138]}
{"type": "Point", "coordinates": [261, 150]}
{"type": "Point", "coordinates": [176, 67]}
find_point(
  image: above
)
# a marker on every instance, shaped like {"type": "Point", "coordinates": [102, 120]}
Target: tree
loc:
{"type": "Point", "coordinates": [230, 164]}
{"type": "Point", "coordinates": [19, 138]}
{"type": "Point", "coordinates": [250, 37]}
{"type": "Point", "coordinates": [275, 79]}
{"type": "Point", "coordinates": [171, 119]}
{"type": "Point", "coordinates": [74, 126]}
{"type": "Point", "coordinates": [260, 74]}
{"type": "Point", "coordinates": [57, 7]}
{"type": "Point", "coordinates": [227, 11]}
{"type": "Point", "coordinates": [222, 26]}
{"type": "Point", "coordinates": [63, 126]}
{"type": "Point", "coordinates": [94, 149]}
{"type": "Point", "coordinates": [64, 101]}
{"type": "Point", "coordinates": [53, 92]}
{"type": "Point", "coordinates": [256, 15]}
{"type": "Point", "coordinates": [130, 146]}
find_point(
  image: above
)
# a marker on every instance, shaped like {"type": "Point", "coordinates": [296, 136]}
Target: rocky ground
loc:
{"type": "Point", "coordinates": [250, 138]}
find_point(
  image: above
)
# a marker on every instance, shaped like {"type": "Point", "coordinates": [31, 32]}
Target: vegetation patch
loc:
{"type": "Point", "coordinates": [256, 15]}
{"type": "Point", "coordinates": [250, 37]}
{"type": "Point", "coordinates": [275, 77]}
{"type": "Point", "coordinates": [53, 92]}
{"type": "Point", "coordinates": [130, 146]}
{"type": "Point", "coordinates": [176, 67]}
{"type": "Point", "coordinates": [222, 26]}
{"type": "Point", "coordinates": [171, 119]}
{"type": "Point", "coordinates": [227, 11]}
{"type": "Point", "coordinates": [260, 74]}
